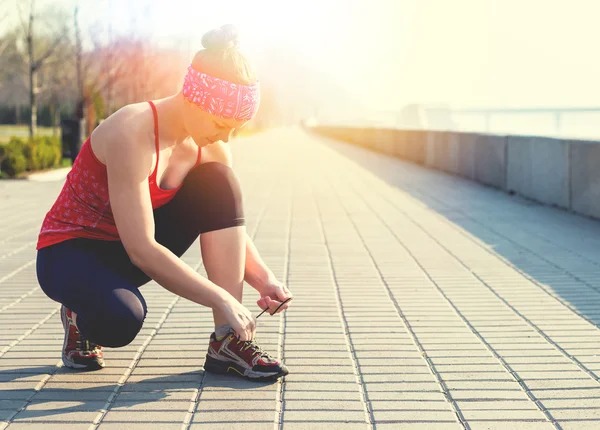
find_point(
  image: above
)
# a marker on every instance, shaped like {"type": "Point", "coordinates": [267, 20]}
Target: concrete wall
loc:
{"type": "Point", "coordinates": [585, 177]}
{"type": "Point", "coordinates": [538, 168]}
{"type": "Point", "coordinates": [558, 172]}
{"type": "Point", "coordinates": [436, 150]}
{"type": "Point", "coordinates": [463, 145]}
{"type": "Point", "coordinates": [490, 160]}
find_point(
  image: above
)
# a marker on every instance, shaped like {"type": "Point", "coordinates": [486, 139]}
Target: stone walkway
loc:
{"type": "Point", "coordinates": [421, 301]}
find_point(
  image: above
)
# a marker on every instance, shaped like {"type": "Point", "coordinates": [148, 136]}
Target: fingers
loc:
{"type": "Point", "coordinates": [284, 294]}
{"type": "Point", "coordinates": [250, 327]}
{"type": "Point", "coordinates": [265, 304]}
{"type": "Point", "coordinates": [277, 307]}
{"type": "Point", "coordinates": [273, 306]}
{"type": "Point", "coordinates": [241, 334]}
{"type": "Point", "coordinates": [248, 331]}
{"type": "Point", "coordinates": [245, 328]}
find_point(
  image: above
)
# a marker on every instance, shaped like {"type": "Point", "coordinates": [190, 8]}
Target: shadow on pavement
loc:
{"type": "Point", "coordinates": [150, 390]}
{"type": "Point", "coordinates": [564, 261]}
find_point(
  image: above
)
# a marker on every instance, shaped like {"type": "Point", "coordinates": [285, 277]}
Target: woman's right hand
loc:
{"type": "Point", "coordinates": [239, 318]}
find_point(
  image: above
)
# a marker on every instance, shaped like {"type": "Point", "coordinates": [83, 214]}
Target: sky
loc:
{"type": "Point", "coordinates": [389, 53]}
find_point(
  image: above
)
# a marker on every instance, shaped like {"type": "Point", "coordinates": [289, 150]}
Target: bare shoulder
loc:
{"type": "Point", "coordinates": [127, 126]}
{"type": "Point", "coordinates": [219, 152]}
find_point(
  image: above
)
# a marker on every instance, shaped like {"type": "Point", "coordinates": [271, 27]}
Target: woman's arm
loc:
{"type": "Point", "coordinates": [128, 161]}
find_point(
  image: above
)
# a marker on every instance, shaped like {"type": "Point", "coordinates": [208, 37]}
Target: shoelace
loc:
{"type": "Point", "coordinates": [251, 344]}
{"type": "Point", "coordinates": [87, 345]}
{"type": "Point", "coordinates": [278, 307]}
{"type": "Point", "coordinates": [256, 349]}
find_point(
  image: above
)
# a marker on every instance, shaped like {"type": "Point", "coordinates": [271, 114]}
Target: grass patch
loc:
{"type": "Point", "coordinates": [7, 131]}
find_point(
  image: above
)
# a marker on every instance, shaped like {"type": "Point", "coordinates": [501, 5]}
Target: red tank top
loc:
{"type": "Point", "coordinates": [82, 208]}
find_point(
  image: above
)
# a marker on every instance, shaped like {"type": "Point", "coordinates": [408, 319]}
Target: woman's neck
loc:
{"type": "Point", "coordinates": [170, 120]}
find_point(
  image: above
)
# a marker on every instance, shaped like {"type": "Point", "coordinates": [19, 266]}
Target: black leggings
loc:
{"type": "Point", "coordinates": [97, 280]}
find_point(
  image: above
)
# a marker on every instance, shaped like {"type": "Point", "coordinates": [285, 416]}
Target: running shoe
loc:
{"type": "Point", "coordinates": [242, 358]}
{"type": "Point", "coordinates": [78, 352]}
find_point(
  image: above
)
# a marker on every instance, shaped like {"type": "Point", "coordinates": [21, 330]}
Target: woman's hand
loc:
{"type": "Point", "coordinates": [239, 318]}
{"type": "Point", "coordinates": [272, 294]}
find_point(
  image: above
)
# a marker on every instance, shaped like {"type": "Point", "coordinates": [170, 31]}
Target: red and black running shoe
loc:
{"type": "Point", "coordinates": [78, 352]}
{"type": "Point", "coordinates": [243, 358]}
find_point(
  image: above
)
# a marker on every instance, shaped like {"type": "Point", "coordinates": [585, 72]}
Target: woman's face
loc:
{"type": "Point", "coordinates": [206, 128]}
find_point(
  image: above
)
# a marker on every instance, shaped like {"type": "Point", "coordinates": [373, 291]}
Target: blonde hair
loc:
{"type": "Point", "coordinates": [220, 57]}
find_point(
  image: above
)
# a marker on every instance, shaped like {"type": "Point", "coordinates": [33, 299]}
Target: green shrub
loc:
{"type": "Point", "coordinates": [13, 160]}
{"type": "Point", "coordinates": [19, 155]}
{"type": "Point", "coordinates": [45, 153]}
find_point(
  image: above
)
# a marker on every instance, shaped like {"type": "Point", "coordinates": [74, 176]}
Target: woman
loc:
{"type": "Point", "coordinates": [151, 179]}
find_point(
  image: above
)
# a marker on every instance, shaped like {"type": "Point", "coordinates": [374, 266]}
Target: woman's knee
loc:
{"type": "Point", "coordinates": [209, 199]}
{"type": "Point", "coordinates": [112, 330]}
{"type": "Point", "coordinates": [116, 325]}
{"type": "Point", "coordinates": [220, 183]}
{"type": "Point", "coordinates": [218, 196]}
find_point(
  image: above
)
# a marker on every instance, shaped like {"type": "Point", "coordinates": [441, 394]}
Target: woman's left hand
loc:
{"type": "Point", "coordinates": [272, 294]}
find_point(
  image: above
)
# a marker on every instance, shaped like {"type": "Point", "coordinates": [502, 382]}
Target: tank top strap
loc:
{"type": "Point", "coordinates": [199, 156]}
{"type": "Point", "coordinates": [156, 144]}
{"type": "Point", "coordinates": [155, 114]}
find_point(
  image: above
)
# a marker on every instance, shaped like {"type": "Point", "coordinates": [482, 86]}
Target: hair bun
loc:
{"type": "Point", "coordinates": [221, 39]}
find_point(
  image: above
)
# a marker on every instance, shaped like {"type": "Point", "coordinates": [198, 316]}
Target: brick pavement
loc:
{"type": "Point", "coordinates": [421, 301]}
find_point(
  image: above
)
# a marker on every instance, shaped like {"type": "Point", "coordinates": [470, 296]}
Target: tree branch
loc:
{"type": "Point", "coordinates": [2, 6]}
{"type": "Point", "coordinates": [3, 46]}
{"type": "Point", "coordinates": [50, 50]}
{"type": "Point", "coordinates": [19, 4]}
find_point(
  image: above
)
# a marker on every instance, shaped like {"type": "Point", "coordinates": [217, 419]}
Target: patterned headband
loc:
{"type": "Point", "coordinates": [220, 97]}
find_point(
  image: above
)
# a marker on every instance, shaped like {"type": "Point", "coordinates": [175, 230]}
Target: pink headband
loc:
{"type": "Point", "coordinates": [220, 97]}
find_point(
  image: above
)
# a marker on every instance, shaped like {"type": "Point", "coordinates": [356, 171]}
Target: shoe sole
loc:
{"type": "Point", "coordinates": [93, 364]}
{"type": "Point", "coordinates": [222, 368]}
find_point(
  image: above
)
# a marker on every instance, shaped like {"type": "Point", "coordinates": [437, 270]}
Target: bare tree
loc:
{"type": "Point", "coordinates": [57, 79]}
{"type": "Point", "coordinates": [35, 59]}
{"type": "Point", "coordinates": [60, 71]}
{"type": "Point", "coordinates": [78, 51]}
{"type": "Point", "coordinates": [3, 45]}
{"type": "Point", "coordinates": [4, 7]}
{"type": "Point", "coordinates": [3, 17]}
{"type": "Point", "coordinates": [13, 74]}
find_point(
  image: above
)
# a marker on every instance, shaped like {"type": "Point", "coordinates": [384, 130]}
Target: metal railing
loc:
{"type": "Point", "coordinates": [560, 122]}
{"type": "Point", "coordinates": [557, 117]}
